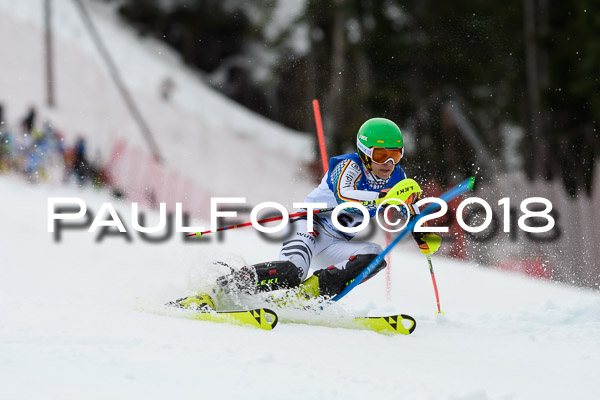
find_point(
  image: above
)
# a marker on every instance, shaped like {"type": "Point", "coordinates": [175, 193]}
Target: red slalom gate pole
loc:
{"type": "Point", "coordinates": [437, 296]}
{"type": "Point", "coordinates": [320, 135]}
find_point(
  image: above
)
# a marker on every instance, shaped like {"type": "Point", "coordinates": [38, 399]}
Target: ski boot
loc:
{"type": "Point", "coordinates": [200, 302]}
{"type": "Point", "coordinates": [264, 277]}
{"type": "Point", "coordinates": [328, 282]}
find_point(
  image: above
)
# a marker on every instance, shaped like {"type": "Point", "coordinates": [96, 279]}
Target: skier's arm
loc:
{"type": "Point", "coordinates": [409, 192]}
{"type": "Point", "coordinates": [344, 178]}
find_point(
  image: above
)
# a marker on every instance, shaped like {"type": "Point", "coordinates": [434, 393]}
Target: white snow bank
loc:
{"type": "Point", "coordinates": [69, 326]}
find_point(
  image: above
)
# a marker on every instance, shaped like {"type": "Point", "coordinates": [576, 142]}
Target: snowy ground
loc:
{"type": "Point", "coordinates": [70, 327]}
{"type": "Point", "coordinates": [70, 319]}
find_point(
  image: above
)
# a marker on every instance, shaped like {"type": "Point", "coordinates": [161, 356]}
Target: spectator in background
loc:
{"type": "Point", "coordinates": [5, 151]}
{"type": "Point", "coordinates": [41, 155]}
{"type": "Point", "coordinates": [28, 121]}
{"type": "Point", "coordinates": [2, 125]}
{"type": "Point", "coordinates": [4, 143]}
{"type": "Point", "coordinates": [21, 153]}
{"type": "Point", "coordinates": [81, 165]}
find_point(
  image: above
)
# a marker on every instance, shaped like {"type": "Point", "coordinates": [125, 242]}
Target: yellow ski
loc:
{"type": "Point", "coordinates": [390, 324]}
{"type": "Point", "coordinates": [262, 318]}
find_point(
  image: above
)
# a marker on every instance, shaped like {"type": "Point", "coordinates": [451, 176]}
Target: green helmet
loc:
{"type": "Point", "coordinates": [378, 132]}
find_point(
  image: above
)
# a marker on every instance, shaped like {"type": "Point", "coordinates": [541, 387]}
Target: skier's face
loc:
{"type": "Point", "coordinates": [383, 171]}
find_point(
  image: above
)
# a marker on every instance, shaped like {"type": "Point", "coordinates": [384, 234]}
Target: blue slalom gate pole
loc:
{"type": "Point", "coordinates": [448, 196]}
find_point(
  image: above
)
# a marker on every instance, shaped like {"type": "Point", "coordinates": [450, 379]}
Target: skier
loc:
{"type": "Point", "coordinates": [367, 175]}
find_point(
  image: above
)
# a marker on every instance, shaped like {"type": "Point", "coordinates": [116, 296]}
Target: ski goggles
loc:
{"type": "Point", "coordinates": [381, 155]}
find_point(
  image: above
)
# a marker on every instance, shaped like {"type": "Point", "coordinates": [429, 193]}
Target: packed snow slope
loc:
{"type": "Point", "coordinates": [74, 324]}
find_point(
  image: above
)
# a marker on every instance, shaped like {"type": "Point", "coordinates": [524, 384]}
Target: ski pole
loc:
{"type": "Point", "coordinates": [437, 296]}
{"type": "Point", "coordinates": [262, 221]}
{"type": "Point", "coordinates": [451, 194]}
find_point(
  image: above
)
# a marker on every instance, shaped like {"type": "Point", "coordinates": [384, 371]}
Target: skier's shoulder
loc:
{"type": "Point", "coordinates": [350, 160]}
{"type": "Point", "coordinates": [398, 174]}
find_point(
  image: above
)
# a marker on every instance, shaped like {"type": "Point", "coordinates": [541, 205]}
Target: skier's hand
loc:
{"type": "Point", "coordinates": [406, 191]}
{"type": "Point", "coordinates": [403, 196]}
{"type": "Point", "coordinates": [428, 243]}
